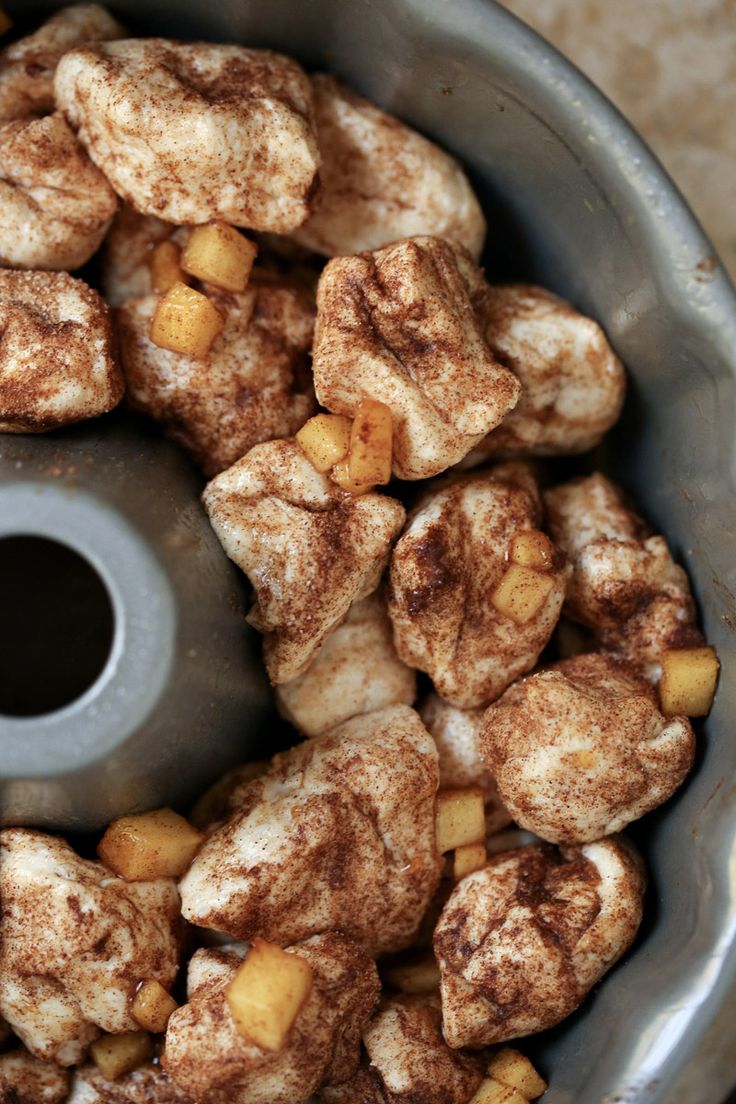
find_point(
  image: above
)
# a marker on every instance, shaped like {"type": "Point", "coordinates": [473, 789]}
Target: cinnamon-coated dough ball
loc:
{"type": "Point", "coordinates": [209, 1059]}
{"type": "Point", "coordinates": [55, 206]}
{"type": "Point", "coordinates": [522, 941]}
{"type": "Point", "coordinates": [407, 1060]}
{"type": "Point", "coordinates": [399, 325]}
{"type": "Point", "coordinates": [451, 557]}
{"type": "Point", "coordinates": [309, 548]}
{"type": "Point", "coordinates": [572, 382]}
{"type": "Point", "coordinates": [56, 356]}
{"type": "Point", "coordinates": [580, 750]}
{"type": "Point", "coordinates": [356, 671]}
{"type": "Point", "coordinates": [193, 131]}
{"type": "Point", "coordinates": [75, 941]}
{"type": "Point", "coordinates": [625, 585]}
{"type": "Point", "coordinates": [381, 181]}
{"type": "Point", "coordinates": [339, 834]}
{"type": "Point", "coordinates": [252, 386]}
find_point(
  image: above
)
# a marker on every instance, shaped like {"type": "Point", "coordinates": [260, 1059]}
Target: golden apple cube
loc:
{"type": "Point", "coordinates": [512, 1068]}
{"type": "Point", "coordinates": [165, 267]}
{"type": "Point", "coordinates": [116, 1055]}
{"type": "Point", "coordinates": [152, 1006]}
{"type": "Point", "coordinates": [5, 21]}
{"type": "Point", "coordinates": [584, 759]}
{"type": "Point", "coordinates": [521, 593]}
{"type": "Point", "coordinates": [159, 844]}
{"type": "Point", "coordinates": [219, 255]}
{"type": "Point", "coordinates": [688, 683]}
{"type": "Point", "coordinates": [491, 1091]}
{"type": "Point", "coordinates": [325, 440]}
{"type": "Point", "coordinates": [420, 976]}
{"type": "Point", "coordinates": [467, 859]}
{"type": "Point", "coordinates": [532, 548]}
{"type": "Point", "coordinates": [340, 474]}
{"type": "Point", "coordinates": [267, 992]}
{"type": "Point", "coordinates": [369, 459]}
{"type": "Point", "coordinates": [459, 818]}
{"type": "Point", "coordinates": [185, 322]}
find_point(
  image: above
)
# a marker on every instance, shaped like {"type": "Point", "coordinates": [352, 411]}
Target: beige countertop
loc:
{"type": "Point", "coordinates": [670, 66]}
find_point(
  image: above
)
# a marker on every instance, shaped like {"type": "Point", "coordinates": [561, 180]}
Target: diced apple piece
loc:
{"type": "Point", "coordinates": [583, 758]}
{"type": "Point", "coordinates": [491, 1091]}
{"type": "Point", "coordinates": [511, 1068]}
{"type": "Point", "coordinates": [5, 21]}
{"type": "Point", "coordinates": [369, 458]}
{"type": "Point", "coordinates": [325, 440]}
{"type": "Point", "coordinates": [164, 266]}
{"type": "Point", "coordinates": [219, 255]}
{"type": "Point", "coordinates": [470, 857]}
{"type": "Point", "coordinates": [152, 1006]}
{"type": "Point", "coordinates": [116, 1055]}
{"type": "Point", "coordinates": [341, 475]}
{"type": "Point", "coordinates": [159, 844]}
{"type": "Point", "coordinates": [419, 976]}
{"type": "Point", "coordinates": [521, 593]}
{"type": "Point", "coordinates": [459, 818]}
{"type": "Point", "coordinates": [532, 548]}
{"type": "Point", "coordinates": [185, 322]}
{"type": "Point", "coordinates": [267, 992]}
{"type": "Point", "coordinates": [688, 683]}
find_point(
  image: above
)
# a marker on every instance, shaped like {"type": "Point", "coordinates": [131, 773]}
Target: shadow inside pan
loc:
{"type": "Point", "coordinates": [58, 625]}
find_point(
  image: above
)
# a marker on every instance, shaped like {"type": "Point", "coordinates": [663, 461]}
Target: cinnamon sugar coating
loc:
{"type": "Point", "coordinates": [75, 941]}
{"type": "Point", "coordinates": [580, 750]}
{"type": "Point", "coordinates": [381, 181]}
{"type": "Point", "coordinates": [521, 942]}
{"type": "Point", "coordinates": [309, 548]}
{"type": "Point", "coordinates": [356, 671]}
{"type": "Point", "coordinates": [625, 585]}
{"type": "Point", "coordinates": [27, 1080]}
{"type": "Point", "coordinates": [192, 131]}
{"type": "Point", "coordinates": [252, 386]}
{"type": "Point", "coordinates": [572, 382]}
{"type": "Point", "coordinates": [338, 834]}
{"type": "Point", "coordinates": [456, 732]}
{"type": "Point", "coordinates": [399, 325]}
{"type": "Point", "coordinates": [149, 1084]}
{"type": "Point", "coordinates": [449, 560]}
{"type": "Point", "coordinates": [56, 359]}
{"type": "Point", "coordinates": [213, 1063]}
{"type": "Point", "coordinates": [407, 1061]}
{"type": "Point", "coordinates": [127, 247]}
{"type": "Point", "coordinates": [27, 66]}
{"type": "Point", "coordinates": [55, 206]}
{"type": "Point", "coordinates": [213, 806]}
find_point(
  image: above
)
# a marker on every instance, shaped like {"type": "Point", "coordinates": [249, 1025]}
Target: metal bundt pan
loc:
{"type": "Point", "coordinates": [574, 201]}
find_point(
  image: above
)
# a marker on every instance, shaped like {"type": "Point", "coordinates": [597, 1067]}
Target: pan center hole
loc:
{"type": "Point", "coordinates": [56, 625]}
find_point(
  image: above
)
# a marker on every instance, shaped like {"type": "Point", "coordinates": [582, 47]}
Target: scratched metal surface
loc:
{"type": "Point", "coordinates": [181, 696]}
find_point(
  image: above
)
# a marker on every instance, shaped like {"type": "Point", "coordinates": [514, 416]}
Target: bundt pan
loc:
{"type": "Point", "coordinates": [575, 202]}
